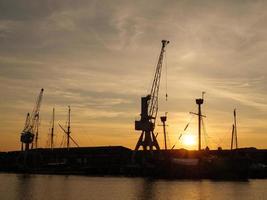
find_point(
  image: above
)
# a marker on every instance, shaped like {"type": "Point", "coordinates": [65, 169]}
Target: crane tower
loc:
{"type": "Point", "coordinates": [149, 110]}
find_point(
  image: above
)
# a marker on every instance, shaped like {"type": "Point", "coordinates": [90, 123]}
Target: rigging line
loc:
{"type": "Point", "coordinates": [205, 132]}
{"type": "Point", "coordinates": [152, 79]}
{"type": "Point", "coordinates": [168, 138]}
{"type": "Point", "coordinates": [88, 137]}
{"type": "Point", "coordinates": [49, 133]}
{"type": "Point", "coordinates": [174, 144]}
{"type": "Point", "coordinates": [62, 141]}
{"type": "Point", "coordinates": [169, 141]}
{"type": "Point", "coordinates": [166, 78]}
{"type": "Point", "coordinates": [214, 141]}
{"type": "Point", "coordinates": [208, 139]}
{"type": "Point", "coordinates": [55, 140]}
{"type": "Point", "coordinates": [187, 125]}
{"type": "Point", "coordinates": [185, 128]}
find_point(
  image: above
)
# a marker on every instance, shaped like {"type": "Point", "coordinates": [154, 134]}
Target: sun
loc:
{"type": "Point", "coordinates": [189, 140]}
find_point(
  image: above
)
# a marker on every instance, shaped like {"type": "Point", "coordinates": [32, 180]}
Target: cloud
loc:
{"type": "Point", "coordinates": [99, 57]}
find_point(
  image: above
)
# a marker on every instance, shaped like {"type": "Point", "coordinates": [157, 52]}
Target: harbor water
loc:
{"type": "Point", "coordinates": [43, 187]}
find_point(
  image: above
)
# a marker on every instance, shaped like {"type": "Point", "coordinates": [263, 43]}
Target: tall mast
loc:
{"type": "Point", "coordinates": [199, 102]}
{"type": "Point", "coordinates": [52, 129]}
{"type": "Point", "coordinates": [234, 133]}
{"type": "Point", "coordinates": [236, 144]}
{"type": "Point", "coordinates": [68, 131]}
{"type": "Point", "coordinates": [232, 138]}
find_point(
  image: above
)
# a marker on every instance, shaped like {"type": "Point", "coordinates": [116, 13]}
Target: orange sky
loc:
{"type": "Point", "coordinates": [99, 57]}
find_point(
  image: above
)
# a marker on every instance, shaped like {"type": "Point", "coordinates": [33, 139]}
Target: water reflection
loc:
{"type": "Point", "coordinates": [43, 187]}
{"type": "Point", "coordinates": [147, 189]}
{"type": "Point", "coordinates": [23, 187]}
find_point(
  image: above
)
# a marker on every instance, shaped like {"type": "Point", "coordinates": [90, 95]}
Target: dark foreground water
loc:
{"type": "Point", "coordinates": [49, 187]}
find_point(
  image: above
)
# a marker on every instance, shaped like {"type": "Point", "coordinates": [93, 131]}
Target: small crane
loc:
{"type": "Point", "coordinates": [31, 124]}
{"type": "Point", "coordinates": [149, 109]}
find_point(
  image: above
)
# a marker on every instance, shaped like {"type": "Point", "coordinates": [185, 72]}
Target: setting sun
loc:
{"type": "Point", "coordinates": [189, 140]}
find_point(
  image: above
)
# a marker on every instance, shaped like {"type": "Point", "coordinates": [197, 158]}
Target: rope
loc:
{"type": "Point", "coordinates": [187, 125]}
{"type": "Point", "coordinates": [168, 138]}
{"type": "Point", "coordinates": [185, 128]}
{"type": "Point", "coordinates": [206, 136]}
{"type": "Point", "coordinates": [62, 141]}
{"type": "Point", "coordinates": [166, 78]}
{"type": "Point", "coordinates": [209, 139]}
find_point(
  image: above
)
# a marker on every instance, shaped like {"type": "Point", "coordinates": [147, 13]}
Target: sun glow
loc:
{"type": "Point", "coordinates": [189, 140]}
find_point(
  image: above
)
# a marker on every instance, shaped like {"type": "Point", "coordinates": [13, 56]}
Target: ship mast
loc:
{"type": "Point", "coordinates": [234, 133]}
{"type": "Point", "coordinates": [52, 130]}
{"type": "Point", "coordinates": [199, 102]}
{"type": "Point", "coordinates": [67, 132]}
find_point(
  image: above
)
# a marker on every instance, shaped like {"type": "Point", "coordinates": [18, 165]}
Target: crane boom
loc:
{"type": "Point", "coordinates": [153, 103]}
{"type": "Point", "coordinates": [35, 112]}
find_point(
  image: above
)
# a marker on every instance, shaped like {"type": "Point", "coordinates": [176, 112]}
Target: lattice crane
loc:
{"type": "Point", "coordinates": [31, 124]}
{"type": "Point", "coordinates": [149, 109]}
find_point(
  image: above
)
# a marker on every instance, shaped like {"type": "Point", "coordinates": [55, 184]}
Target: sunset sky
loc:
{"type": "Point", "coordinates": [99, 57]}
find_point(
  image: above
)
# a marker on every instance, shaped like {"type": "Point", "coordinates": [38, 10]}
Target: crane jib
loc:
{"type": "Point", "coordinates": [153, 104]}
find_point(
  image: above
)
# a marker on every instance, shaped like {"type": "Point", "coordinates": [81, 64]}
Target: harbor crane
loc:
{"type": "Point", "coordinates": [31, 124]}
{"type": "Point", "coordinates": [149, 109]}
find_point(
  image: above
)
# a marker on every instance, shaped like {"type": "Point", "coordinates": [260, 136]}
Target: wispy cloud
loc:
{"type": "Point", "coordinates": [99, 57]}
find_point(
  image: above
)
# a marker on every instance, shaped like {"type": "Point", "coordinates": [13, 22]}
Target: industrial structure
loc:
{"type": "Point", "coordinates": [30, 130]}
{"type": "Point", "coordinates": [149, 110]}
